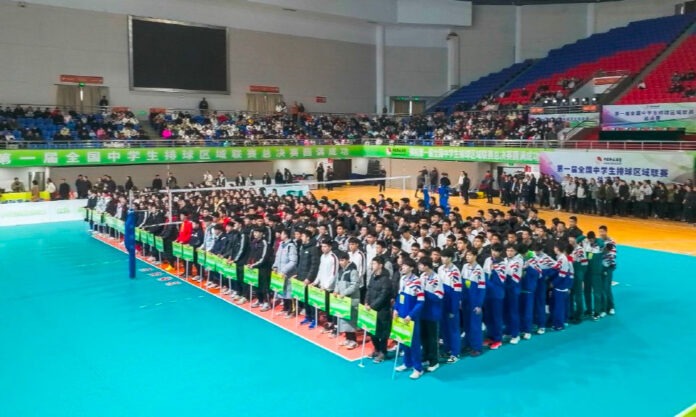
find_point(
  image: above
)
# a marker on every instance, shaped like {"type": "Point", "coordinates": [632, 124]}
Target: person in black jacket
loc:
{"type": "Point", "coordinates": [157, 183]}
{"type": "Point", "coordinates": [238, 252]}
{"type": "Point", "coordinates": [378, 298]}
{"type": "Point", "coordinates": [261, 258]}
{"type": "Point", "coordinates": [307, 267]}
{"type": "Point", "coordinates": [195, 241]}
{"type": "Point", "coordinates": [64, 190]}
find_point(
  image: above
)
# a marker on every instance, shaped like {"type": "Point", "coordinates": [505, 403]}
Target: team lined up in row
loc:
{"type": "Point", "coordinates": [457, 274]}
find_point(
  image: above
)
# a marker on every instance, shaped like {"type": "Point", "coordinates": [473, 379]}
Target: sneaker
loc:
{"type": "Point", "coordinates": [495, 345]}
{"type": "Point", "coordinates": [602, 315]}
{"type": "Point", "coordinates": [415, 374]}
{"type": "Point", "coordinates": [612, 311]}
{"type": "Point", "coordinates": [255, 304]}
{"type": "Point", "coordinates": [487, 342]}
{"type": "Point", "coordinates": [401, 368]}
{"type": "Point", "coordinates": [265, 307]}
{"type": "Point", "coordinates": [558, 329]}
{"type": "Point", "coordinates": [234, 294]}
{"type": "Point", "coordinates": [303, 312]}
{"type": "Point", "coordinates": [541, 330]}
{"type": "Point", "coordinates": [374, 354]}
{"type": "Point", "coordinates": [305, 321]}
{"type": "Point", "coordinates": [433, 368]}
{"type": "Point", "coordinates": [595, 318]}
{"type": "Point", "coordinates": [475, 353]}
{"type": "Point", "coordinates": [313, 324]}
{"type": "Point", "coordinates": [288, 315]}
{"type": "Point", "coordinates": [452, 359]}
{"type": "Point", "coordinates": [352, 345]}
{"type": "Point", "coordinates": [333, 334]}
{"type": "Point", "coordinates": [515, 340]}
{"type": "Point", "coordinates": [379, 358]}
{"type": "Point", "coordinates": [241, 300]}
{"type": "Point", "coordinates": [526, 336]}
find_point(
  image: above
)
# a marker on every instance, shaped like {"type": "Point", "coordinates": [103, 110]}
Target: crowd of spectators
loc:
{"type": "Point", "coordinates": [33, 124]}
{"type": "Point", "coordinates": [681, 83]}
{"type": "Point", "coordinates": [457, 129]}
{"type": "Point", "coordinates": [605, 197]}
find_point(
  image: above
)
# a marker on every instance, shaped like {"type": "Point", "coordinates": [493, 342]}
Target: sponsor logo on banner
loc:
{"type": "Point", "coordinates": [638, 166]}
{"type": "Point", "coordinates": [397, 151]}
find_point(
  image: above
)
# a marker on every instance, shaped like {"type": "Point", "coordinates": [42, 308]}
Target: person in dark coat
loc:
{"type": "Point", "coordinates": [157, 183]}
{"type": "Point", "coordinates": [64, 190]}
{"type": "Point", "coordinates": [378, 298]}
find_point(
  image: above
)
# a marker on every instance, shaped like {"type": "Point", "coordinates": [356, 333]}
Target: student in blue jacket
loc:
{"type": "Point", "coordinates": [450, 277]}
{"type": "Point", "coordinates": [432, 312]}
{"type": "Point", "coordinates": [475, 284]}
{"type": "Point", "coordinates": [408, 306]}
{"type": "Point", "coordinates": [561, 282]}
{"type": "Point", "coordinates": [494, 270]}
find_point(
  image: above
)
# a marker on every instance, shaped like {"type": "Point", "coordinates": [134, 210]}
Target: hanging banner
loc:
{"type": "Point", "coordinates": [401, 331]}
{"type": "Point", "coordinates": [13, 158]}
{"type": "Point", "coordinates": [650, 117]}
{"type": "Point", "coordinates": [453, 153]}
{"type": "Point", "coordinates": [367, 319]}
{"type": "Point", "coordinates": [340, 306]}
{"type": "Point", "coordinates": [569, 119]}
{"type": "Point", "coordinates": [639, 166]}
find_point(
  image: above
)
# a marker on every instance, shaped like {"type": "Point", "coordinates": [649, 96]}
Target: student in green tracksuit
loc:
{"type": "Point", "coordinates": [595, 297]}
{"type": "Point", "coordinates": [579, 269]}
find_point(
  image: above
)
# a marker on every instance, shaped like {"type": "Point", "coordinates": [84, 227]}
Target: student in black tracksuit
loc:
{"type": "Point", "coordinates": [261, 258]}
{"type": "Point", "coordinates": [195, 241]}
{"type": "Point", "coordinates": [238, 252]}
{"type": "Point", "coordinates": [378, 298]}
{"type": "Point", "coordinates": [307, 267]}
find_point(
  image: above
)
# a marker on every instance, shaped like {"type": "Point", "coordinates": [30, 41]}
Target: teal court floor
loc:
{"type": "Point", "coordinates": [80, 339]}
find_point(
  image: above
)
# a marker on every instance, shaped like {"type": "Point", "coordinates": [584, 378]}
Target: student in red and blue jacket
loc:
{"type": "Point", "coordinates": [511, 311]}
{"type": "Point", "coordinates": [473, 276]}
{"type": "Point", "coordinates": [494, 270]}
{"type": "Point", "coordinates": [545, 263]}
{"type": "Point", "coordinates": [408, 306]}
{"type": "Point", "coordinates": [432, 312]}
{"type": "Point", "coordinates": [451, 279]}
{"type": "Point", "coordinates": [530, 279]}
{"type": "Point", "coordinates": [562, 281]}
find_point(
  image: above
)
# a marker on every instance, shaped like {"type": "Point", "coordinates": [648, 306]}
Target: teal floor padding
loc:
{"type": "Point", "coordinates": [80, 339]}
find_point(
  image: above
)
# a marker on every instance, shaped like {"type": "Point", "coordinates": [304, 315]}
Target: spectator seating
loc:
{"type": "Point", "coordinates": [628, 48]}
{"type": "Point", "coordinates": [472, 93]}
{"type": "Point", "coordinates": [658, 83]}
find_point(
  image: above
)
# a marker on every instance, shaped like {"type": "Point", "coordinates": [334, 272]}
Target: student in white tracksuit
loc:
{"type": "Point", "coordinates": [326, 276]}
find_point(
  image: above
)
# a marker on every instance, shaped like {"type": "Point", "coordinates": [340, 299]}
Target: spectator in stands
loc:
{"type": "Point", "coordinates": [51, 189]}
{"type": "Point", "coordinates": [35, 191]}
{"type": "Point", "coordinates": [203, 106]}
{"type": "Point", "coordinates": [157, 183]}
{"type": "Point", "coordinates": [104, 104]}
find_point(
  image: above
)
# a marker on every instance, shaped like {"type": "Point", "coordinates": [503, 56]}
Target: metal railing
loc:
{"type": "Point", "coordinates": [477, 143]}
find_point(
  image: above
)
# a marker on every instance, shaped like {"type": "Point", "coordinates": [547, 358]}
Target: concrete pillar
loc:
{"type": "Point", "coordinates": [518, 34]}
{"type": "Point", "coordinates": [379, 68]}
{"type": "Point", "coordinates": [452, 61]}
{"type": "Point", "coordinates": [591, 19]}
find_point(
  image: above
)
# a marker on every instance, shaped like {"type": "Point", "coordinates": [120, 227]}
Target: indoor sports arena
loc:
{"type": "Point", "coordinates": [347, 207]}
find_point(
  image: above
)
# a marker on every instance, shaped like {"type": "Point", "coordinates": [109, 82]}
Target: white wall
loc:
{"type": "Point", "coordinates": [488, 45]}
{"type": "Point", "coordinates": [614, 14]}
{"type": "Point", "coordinates": [547, 27]}
{"type": "Point", "coordinates": [39, 43]}
{"type": "Point", "coordinates": [415, 71]}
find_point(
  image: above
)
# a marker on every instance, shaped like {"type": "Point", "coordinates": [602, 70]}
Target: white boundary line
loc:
{"type": "Point", "coordinates": [231, 303]}
{"type": "Point", "coordinates": [688, 411]}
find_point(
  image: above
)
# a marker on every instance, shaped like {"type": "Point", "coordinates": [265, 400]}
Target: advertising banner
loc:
{"type": "Point", "coordinates": [297, 289]}
{"type": "Point", "coordinates": [367, 319]}
{"type": "Point", "coordinates": [570, 119]}
{"type": "Point", "coordinates": [339, 306]}
{"type": "Point", "coordinates": [639, 166]}
{"type": "Point", "coordinates": [187, 253]}
{"type": "Point", "coordinates": [135, 156]}
{"type": "Point", "coordinates": [650, 116]}
{"type": "Point", "coordinates": [229, 269]}
{"type": "Point", "coordinates": [177, 249]}
{"type": "Point", "coordinates": [316, 297]}
{"type": "Point", "coordinates": [251, 276]}
{"type": "Point", "coordinates": [44, 212]}
{"type": "Point", "coordinates": [277, 282]}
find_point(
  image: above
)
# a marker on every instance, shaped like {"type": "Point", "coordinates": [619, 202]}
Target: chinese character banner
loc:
{"type": "Point", "coordinates": [569, 119]}
{"type": "Point", "coordinates": [646, 116]}
{"type": "Point", "coordinates": [131, 156]}
{"type": "Point", "coordinates": [452, 153]}
{"type": "Point", "coordinates": [639, 166]}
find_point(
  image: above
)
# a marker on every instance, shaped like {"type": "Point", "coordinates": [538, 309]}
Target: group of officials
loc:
{"type": "Point", "coordinates": [465, 283]}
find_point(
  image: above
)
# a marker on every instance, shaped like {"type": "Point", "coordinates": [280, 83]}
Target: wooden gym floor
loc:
{"type": "Point", "coordinates": [662, 235]}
